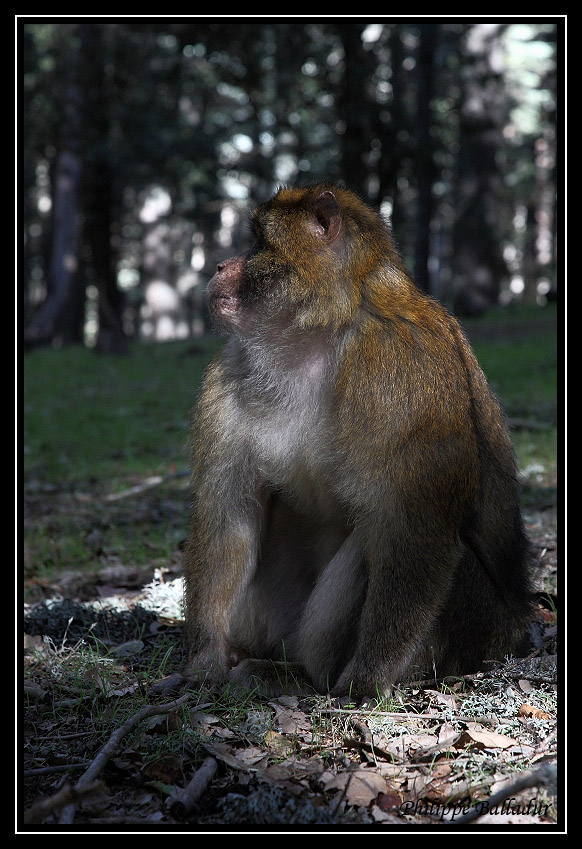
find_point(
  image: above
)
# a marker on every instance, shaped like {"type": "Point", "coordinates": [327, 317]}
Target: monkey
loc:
{"type": "Point", "coordinates": [356, 519]}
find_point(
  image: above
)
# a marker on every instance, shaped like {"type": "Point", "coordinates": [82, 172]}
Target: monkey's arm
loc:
{"type": "Point", "coordinates": [221, 552]}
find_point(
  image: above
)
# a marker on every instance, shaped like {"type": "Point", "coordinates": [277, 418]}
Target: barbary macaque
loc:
{"type": "Point", "coordinates": [356, 519]}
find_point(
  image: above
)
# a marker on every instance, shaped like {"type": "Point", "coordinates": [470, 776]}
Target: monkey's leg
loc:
{"type": "Point", "coordinates": [294, 550]}
{"type": "Point", "coordinates": [409, 577]}
{"type": "Point", "coordinates": [329, 623]}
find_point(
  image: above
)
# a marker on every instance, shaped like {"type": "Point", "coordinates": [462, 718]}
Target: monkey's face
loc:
{"type": "Point", "coordinates": [224, 295]}
{"type": "Point", "coordinates": [292, 274]}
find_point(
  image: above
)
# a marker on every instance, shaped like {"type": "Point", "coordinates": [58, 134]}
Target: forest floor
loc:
{"type": "Point", "coordinates": [101, 751]}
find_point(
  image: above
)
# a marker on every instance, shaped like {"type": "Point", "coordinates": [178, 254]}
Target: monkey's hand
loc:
{"type": "Point", "coordinates": [210, 665]}
{"type": "Point", "coordinates": [355, 682]}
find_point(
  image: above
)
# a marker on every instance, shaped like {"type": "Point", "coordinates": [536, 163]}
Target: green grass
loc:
{"type": "Point", "coordinates": [518, 351]}
{"type": "Point", "coordinates": [91, 417]}
{"type": "Point", "coordinates": [94, 427]}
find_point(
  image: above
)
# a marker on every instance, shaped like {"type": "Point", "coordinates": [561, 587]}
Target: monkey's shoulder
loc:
{"type": "Point", "coordinates": [383, 350]}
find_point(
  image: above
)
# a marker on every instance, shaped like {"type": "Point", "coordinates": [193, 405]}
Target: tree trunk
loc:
{"type": "Point", "coordinates": [98, 200]}
{"type": "Point", "coordinates": [45, 325]}
{"type": "Point", "coordinates": [353, 110]}
{"type": "Point", "coordinates": [425, 170]}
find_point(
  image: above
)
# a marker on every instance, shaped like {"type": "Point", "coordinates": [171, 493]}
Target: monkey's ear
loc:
{"type": "Point", "coordinates": [327, 217]}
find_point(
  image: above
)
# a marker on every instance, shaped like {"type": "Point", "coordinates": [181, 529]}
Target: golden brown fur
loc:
{"type": "Point", "coordinates": [356, 518]}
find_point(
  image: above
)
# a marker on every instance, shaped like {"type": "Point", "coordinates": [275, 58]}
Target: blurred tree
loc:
{"type": "Point", "coordinates": [100, 207]}
{"type": "Point", "coordinates": [478, 260]}
{"type": "Point", "coordinates": [354, 109]}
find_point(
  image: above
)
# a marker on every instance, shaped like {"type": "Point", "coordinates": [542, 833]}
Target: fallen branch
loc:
{"type": "Point", "coordinates": [185, 799]}
{"type": "Point", "coordinates": [544, 775]}
{"type": "Point", "coordinates": [108, 750]}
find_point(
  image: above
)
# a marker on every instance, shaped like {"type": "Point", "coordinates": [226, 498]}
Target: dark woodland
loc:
{"type": "Point", "coordinates": [147, 143]}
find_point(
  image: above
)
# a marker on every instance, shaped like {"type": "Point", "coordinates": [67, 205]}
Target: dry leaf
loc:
{"type": "Point", "coordinates": [32, 643]}
{"type": "Point", "coordinates": [389, 800]}
{"type": "Point", "coordinates": [546, 615]}
{"type": "Point", "coordinates": [446, 731]}
{"type": "Point", "coordinates": [203, 723]}
{"type": "Point", "coordinates": [391, 771]}
{"type": "Point", "coordinates": [484, 740]}
{"type": "Point", "coordinates": [250, 756]}
{"type": "Point", "coordinates": [446, 699]}
{"type": "Point", "coordinates": [434, 787]}
{"type": "Point", "coordinates": [223, 733]}
{"type": "Point", "coordinates": [417, 785]}
{"type": "Point", "coordinates": [281, 744]}
{"type": "Point", "coordinates": [290, 721]}
{"type": "Point", "coordinates": [361, 785]}
{"type": "Point", "coordinates": [408, 744]}
{"type": "Point", "coordinates": [528, 710]}
{"type": "Point", "coordinates": [224, 753]}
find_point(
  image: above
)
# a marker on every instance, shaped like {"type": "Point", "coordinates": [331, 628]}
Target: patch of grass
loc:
{"type": "Point", "coordinates": [97, 418]}
{"type": "Point", "coordinates": [518, 351]}
{"type": "Point", "coordinates": [94, 427]}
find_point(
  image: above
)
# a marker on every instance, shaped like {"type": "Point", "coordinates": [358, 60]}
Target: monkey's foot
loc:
{"type": "Point", "coordinates": [269, 678]}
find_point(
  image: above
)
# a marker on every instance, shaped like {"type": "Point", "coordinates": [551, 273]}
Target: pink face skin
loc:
{"type": "Point", "coordinates": [223, 296]}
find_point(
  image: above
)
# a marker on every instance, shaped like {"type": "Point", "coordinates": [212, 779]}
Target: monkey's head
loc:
{"type": "Point", "coordinates": [314, 249]}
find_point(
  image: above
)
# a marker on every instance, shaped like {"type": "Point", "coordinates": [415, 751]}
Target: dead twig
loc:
{"type": "Point", "coordinates": [148, 483]}
{"type": "Point", "coordinates": [406, 717]}
{"type": "Point", "coordinates": [364, 746]}
{"type": "Point", "coordinates": [49, 770]}
{"type": "Point", "coordinates": [108, 750]}
{"type": "Point", "coordinates": [65, 796]}
{"type": "Point", "coordinates": [185, 799]}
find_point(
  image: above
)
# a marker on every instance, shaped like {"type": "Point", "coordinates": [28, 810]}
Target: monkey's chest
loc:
{"type": "Point", "coordinates": [292, 453]}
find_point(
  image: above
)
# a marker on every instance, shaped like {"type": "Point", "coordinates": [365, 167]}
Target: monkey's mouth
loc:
{"type": "Point", "coordinates": [222, 303]}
